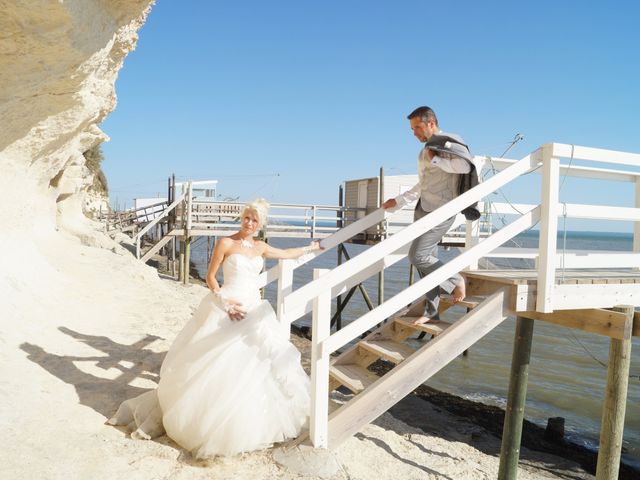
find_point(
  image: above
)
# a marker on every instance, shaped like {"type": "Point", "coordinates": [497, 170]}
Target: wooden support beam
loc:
{"type": "Point", "coordinates": [635, 330]}
{"type": "Point", "coordinates": [593, 320]}
{"type": "Point", "coordinates": [153, 250]}
{"type": "Point", "coordinates": [514, 415]}
{"type": "Point", "coordinates": [615, 402]}
{"type": "Point", "coordinates": [187, 258]}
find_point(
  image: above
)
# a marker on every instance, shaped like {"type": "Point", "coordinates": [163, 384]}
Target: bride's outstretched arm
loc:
{"type": "Point", "coordinates": [272, 252]}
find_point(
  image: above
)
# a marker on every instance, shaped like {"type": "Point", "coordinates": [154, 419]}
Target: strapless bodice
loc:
{"type": "Point", "coordinates": [241, 274]}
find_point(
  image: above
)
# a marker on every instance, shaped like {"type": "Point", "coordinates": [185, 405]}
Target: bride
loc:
{"type": "Point", "coordinates": [231, 382]}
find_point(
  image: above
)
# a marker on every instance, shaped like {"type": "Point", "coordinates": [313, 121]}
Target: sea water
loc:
{"type": "Point", "coordinates": [568, 370]}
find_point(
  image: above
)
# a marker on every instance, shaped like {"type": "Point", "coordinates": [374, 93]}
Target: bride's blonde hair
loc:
{"type": "Point", "coordinates": [261, 207]}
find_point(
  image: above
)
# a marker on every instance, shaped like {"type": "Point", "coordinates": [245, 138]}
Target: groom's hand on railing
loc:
{"type": "Point", "coordinates": [391, 203]}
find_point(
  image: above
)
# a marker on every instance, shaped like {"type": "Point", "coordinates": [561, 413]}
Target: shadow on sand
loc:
{"type": "Point", "coordinates": [103, 395]}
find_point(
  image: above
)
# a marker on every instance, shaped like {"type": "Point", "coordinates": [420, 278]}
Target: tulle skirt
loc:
{"type": "Point", "coordinates": [225, 386]}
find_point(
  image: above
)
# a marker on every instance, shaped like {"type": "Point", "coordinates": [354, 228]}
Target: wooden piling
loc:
{"type": "Point", "coordinates": [383, 235]}
{"type": "Point", "coordinates": [514, 415]}
{"type": "Point", "coordinates": [181, 261]}
{"type": "Point", "coordinates": [187, 235]}
{"type": "Point", "coordinates": [615, 401]}
{"type": "Point", "coordinates": [340, 224]}
{"type": "Point", "coordinates": [339, 304]}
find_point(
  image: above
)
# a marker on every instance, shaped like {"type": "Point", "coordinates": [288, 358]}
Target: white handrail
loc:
{"type": "Point", "coordinates": [391, 306]}
{"type": "Point", "coordinates": [563, 150]}
{"type": "Point", "coordinates": [328, 243]}
{"type": "Point", "coordinates": [148, 227]}
{"type": "Point", "coordinates": [342, 273]}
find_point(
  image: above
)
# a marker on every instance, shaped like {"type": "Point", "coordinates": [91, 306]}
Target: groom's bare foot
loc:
{"type": "Point", "coordinates": [459, 292]}
{"type": "Point", "coordinates": [421, 320]}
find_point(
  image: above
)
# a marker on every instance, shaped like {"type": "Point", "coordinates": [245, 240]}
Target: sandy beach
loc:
{"type": "Point", "coordinates": [97, 335]}
{"type": "Point", "coordinates": [85, 326]}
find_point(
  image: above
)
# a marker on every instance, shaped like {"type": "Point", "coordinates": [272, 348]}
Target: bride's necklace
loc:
{"type": "Point", "coordinates": [246, 243]}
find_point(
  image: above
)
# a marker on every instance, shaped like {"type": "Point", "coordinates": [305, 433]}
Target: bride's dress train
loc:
{"type": "Point", "coordinates": [226, 386]}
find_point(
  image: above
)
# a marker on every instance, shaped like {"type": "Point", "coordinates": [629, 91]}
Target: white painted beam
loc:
{"type": "Point", "coordinates": [601, 212]}
{"type": "Point", "coordinates": [576, 171]}
{"type": "Point", "coordinates": [321, 320]}
{"type": "Point", "coordinates": [594, 154]}
{"type": "Point", "coordinates": [579, 296]}
{"type": "Point", "coordinates": [548, 231]}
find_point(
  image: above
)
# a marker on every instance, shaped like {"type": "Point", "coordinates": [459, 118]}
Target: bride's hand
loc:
{"type": "Point", "coordinates": [235, 310]}
{"type": "Point", "coordinates": [313, 246]}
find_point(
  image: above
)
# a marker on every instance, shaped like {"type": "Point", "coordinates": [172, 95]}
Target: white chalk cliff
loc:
{"type": "Point", "coordinates": [59, 60]}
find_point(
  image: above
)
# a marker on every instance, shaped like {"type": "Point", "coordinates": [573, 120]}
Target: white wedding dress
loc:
{"type": "Point", "coordinates": [226, 386]}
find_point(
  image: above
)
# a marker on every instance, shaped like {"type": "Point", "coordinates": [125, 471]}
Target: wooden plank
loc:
{"type": "Point", "coordinates": [598, 321]}
{"type": "Point", "coordinates": [433, 327]}
{"type": "Point", "coordinates": [422, 365]}
{"type": "Point", "coordinates": [501, 276]}
{"type": "Point", "coordinates": [468, 302]}
{"type": "Point", "coordinates": [156, 248]}
{"type": "Point", "coordinates": [394, 352]}
{"type": "Point", "coordinates": [570, 297]}
{"type": "Point", "coordinates": [353, 376]}
{"type": "Point", "coordinates": [522, 276]}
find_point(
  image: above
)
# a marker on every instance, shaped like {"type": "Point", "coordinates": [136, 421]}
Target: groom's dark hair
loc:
{"type": "Point", "coordinates": [424, 113]}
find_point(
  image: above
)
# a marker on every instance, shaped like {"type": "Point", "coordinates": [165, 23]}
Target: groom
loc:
{"type": "Point", "coordinates": [444, 169]}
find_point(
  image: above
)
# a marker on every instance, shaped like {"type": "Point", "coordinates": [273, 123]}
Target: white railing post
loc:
{"type": "Point", "coordinates": [285, 287]}
{"type": "Point", "coordinates": [313, 221]}
{"type": "Point", "coordinates": [320, 328]}
{"type": "Point", "coordinates": [548, 229]}
{"type": "Point", "coordinates": [471, 238]}
{"type": "Point", "coordinates": [189, 204]}
{"type": "Point", "coordinates": [636, 225]}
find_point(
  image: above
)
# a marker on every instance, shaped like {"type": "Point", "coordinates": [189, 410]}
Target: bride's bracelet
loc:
{"type": "Point", "coordinates": [227, 307]}
{"type": "Point", "coordinates": [308, 249]}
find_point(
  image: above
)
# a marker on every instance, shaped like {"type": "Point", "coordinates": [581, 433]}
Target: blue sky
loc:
{"type": "Point", "coordinates": [287, 99]}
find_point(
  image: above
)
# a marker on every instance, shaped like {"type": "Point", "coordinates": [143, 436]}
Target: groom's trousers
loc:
{"type": "Point", "coordinates": [423, 256]}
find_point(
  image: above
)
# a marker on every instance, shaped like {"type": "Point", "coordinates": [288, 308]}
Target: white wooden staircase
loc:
{"type": "Point", "coordinates": [350, 368]}
{"type": "Point", "coordinates": [413, 367]}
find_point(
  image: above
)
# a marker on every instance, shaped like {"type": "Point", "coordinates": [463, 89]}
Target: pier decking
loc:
{"type": "Point", "coordinates": [573, 289]}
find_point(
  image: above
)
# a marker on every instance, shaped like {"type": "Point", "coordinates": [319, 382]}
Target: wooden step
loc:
{"type": "Point", "coordinates": [433, 327]}
{"type": "Point", "coordinates": [392, 351]}
{"type": "Point", "coordinates": [352, 376]}
{"type": "Point", "coordinates": [469, 302]}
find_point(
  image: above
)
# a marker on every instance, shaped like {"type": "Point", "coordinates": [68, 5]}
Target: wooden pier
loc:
{"type": "Point", "coordinates": [596, 292]}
